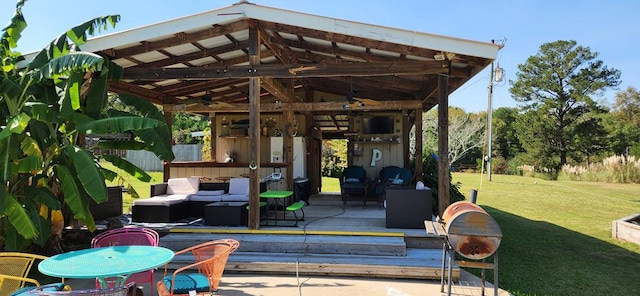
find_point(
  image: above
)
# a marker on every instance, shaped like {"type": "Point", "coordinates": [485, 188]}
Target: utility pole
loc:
{"type": "Point", "coordinates": [490, 123]}
{"type": "Point", "coordinates": [496, 75]}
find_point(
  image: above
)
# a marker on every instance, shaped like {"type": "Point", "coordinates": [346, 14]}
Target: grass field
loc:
{"type": "Point", "coordinates": [557, 234]}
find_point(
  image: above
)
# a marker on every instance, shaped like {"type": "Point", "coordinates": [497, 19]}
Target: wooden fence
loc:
{"type": "Point", "coordinates": [149, 162]}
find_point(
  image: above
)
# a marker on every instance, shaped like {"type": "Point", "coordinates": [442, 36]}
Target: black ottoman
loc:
{"type": "Point", "coordinates": [408, 207]}
{"type": "Point", "coordinates": [232, 213]}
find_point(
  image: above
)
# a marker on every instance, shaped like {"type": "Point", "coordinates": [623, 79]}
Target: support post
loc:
{"type": "Point", "coordinates": [254, 131]}
{"type": "Point", "coordinates": [419, 156]}
{"type": "Point", "coordinates": [489, 125]}
{"type": "Point", "coordinates": [443, 143]}
{"type": "Point", "coordinates": [168, 117]}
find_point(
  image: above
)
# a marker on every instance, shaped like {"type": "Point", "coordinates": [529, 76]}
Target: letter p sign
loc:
{"type": "Point", "coordinates": [376, 155]}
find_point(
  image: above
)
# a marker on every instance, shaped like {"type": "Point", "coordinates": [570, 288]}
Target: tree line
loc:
{"type": "Point", "coordinates": [561, 117]}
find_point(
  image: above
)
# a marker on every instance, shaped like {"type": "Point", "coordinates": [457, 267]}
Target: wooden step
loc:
{"type": "Point", "coordinates": [358, 256]}
{"type": "Point", "coordinates": [316, 244]}
{"type": "Point", "coordinates": [418, 264]}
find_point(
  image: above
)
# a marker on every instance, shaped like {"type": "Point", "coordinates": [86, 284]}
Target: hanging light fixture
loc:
{"type": "Point", "coordinates": [224, 122]}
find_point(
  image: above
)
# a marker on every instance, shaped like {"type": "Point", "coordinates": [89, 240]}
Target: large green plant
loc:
{"type": "Point", "coordinates": [430, 179]}
{"type": "Point", "coordinates": [47, 105]}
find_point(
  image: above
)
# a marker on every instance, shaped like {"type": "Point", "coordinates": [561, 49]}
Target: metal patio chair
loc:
{"type": "Point", "coordinates": [128, 289]}
{"type": "Point", "coordinates": [14, 271]}
{"type": "Point", "coordinates": [129, 236]}
{"type": "Point", "coordinates": [209, 259]}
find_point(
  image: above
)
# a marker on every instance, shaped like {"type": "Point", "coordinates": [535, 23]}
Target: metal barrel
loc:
{"type": "Point", "coordinates": [472, 232]}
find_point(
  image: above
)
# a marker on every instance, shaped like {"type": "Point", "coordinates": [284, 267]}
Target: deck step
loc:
{"type": "Point", "coordinates": [418, 264]}
{"type": "Point", "coordinates": [315, 244]}
{"type": "Point", "coordinates": [358, 256]}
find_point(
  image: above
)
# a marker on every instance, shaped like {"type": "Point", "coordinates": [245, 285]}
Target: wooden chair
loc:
{"type": "Point", "coordinates": [209, 259]}
{"type": "Point", "coordinates": [14, 271]}
{"type": "Point", "coordinates": [129, 236]}
{"type": "Point", "coordinates": [126, 290]}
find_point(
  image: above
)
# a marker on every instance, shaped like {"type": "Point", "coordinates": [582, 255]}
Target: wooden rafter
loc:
{"type": "Point", "coordinates": [178, 39]}
{"type": "Point", "coordinates": [284, 71]}
{"type": "Point", "coordinates": [306, 107]}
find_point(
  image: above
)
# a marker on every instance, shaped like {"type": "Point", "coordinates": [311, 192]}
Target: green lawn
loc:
{"type": "Point", "coordinates": [557, 234]}
{"type": "Point", "coordinates": [143, 188]}
{"type": "Point", "coordinates": [330, 184]}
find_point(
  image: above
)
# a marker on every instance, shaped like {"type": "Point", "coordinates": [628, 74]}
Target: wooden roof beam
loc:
{"type": "Point", "coordinates": [207, 52]}
{"type": "Point", "coordinates": [178, 39]}
{"type": "Point", "coordinates": [125, 88]}
{"type": "Point", "coordinates": [306, 107]}
{"type": "Point", "coordinates": [284, 71]}
{"type": "Point", "coordinates": [277, 89]}
{"type": "Point", "coordinates": [184, 88]}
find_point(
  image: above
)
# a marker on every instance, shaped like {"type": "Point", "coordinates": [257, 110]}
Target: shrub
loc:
{"type": "Point", "coordinates": [430, 179]}
{"type": "Point", "coordinates": [499, 165]}
{"type": "Point", "coordinates": [614, 169]}
{"type": "Point", "coordinates": [334, 155]}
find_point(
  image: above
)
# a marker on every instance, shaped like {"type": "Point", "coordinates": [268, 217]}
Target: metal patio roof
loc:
{"type": "Point", "coordinates": [308, 63]}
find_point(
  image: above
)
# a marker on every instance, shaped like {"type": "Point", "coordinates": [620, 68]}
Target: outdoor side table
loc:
{"type": "Point", "coordinates": [226, 213]}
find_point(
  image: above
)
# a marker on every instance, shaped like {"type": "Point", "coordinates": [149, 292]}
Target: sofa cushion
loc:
{"type": "Point", "coordinates": [239, 186]}
{"type": "Point", "coordinates": [161, 200]}
{"type": "Point", "coordinates": [234, 197]}
{"type": "Point", "coordinates": [210, 192]}
{"type": "Point", "coordinates": [183, 185]}
{"type": "Point", "coordinates": [208, 198]}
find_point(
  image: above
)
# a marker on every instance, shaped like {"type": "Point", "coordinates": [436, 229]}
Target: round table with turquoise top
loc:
{"type": "Point", "coordinates": [101, 263]}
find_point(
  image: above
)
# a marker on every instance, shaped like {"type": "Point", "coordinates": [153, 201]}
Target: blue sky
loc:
{"type": "Point", "coordinates": [610, 28]}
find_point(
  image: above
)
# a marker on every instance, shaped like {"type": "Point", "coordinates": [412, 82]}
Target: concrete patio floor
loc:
{"type": "Point", "coordinates": [238, 284]}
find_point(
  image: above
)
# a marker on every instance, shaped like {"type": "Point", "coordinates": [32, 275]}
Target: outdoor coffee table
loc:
{"type": "Point", "coordinates": [278, 200]}
{"type": "Point", "coordinates": [226, 213]}
{"type": "Point", "coordinates": [101, 263]}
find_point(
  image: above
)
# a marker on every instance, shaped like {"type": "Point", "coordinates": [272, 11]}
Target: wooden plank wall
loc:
{"type": "Point", "coordinates": [213, 172]}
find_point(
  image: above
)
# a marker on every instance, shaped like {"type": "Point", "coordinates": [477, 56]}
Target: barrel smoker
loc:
{"type": "Point", "coordinates": [472, 234]}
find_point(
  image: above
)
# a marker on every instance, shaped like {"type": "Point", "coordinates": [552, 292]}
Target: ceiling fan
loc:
{"type": "Point", "coordinates": [205, 100]}
{"type": "Point", "coordinates": [353, 101]}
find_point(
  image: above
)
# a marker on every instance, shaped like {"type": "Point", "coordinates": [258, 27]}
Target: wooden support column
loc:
{"type": "Point", "coordinates": [287, 142]}
{"type": "Point", "coordinates": [214, 135]}
{"type": "Point", "coordinates": [419, 132]}
{"type": "Point", "coordinates": [314, 146]}
{"type": "Point", "coordinates": [443, 144]}
{"type": "Point", "coordinates": [254, 132]}
{"type": "Point", "coordinates": [168, 116]}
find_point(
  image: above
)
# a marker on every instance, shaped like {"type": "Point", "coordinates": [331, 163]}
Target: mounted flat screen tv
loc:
{"type": "Point", "coordinates": [378, 125]}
